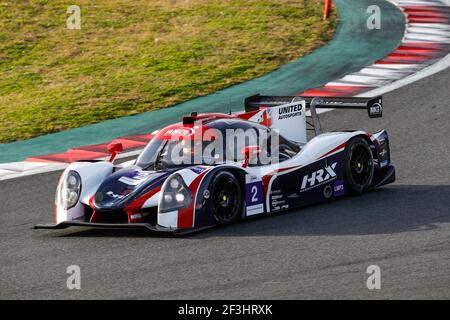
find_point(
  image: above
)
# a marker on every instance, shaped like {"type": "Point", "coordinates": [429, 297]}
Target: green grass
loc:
{"type": "Point", "coordinates": [132, 56]}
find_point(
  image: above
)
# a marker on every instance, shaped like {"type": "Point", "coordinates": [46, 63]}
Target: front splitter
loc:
{"type": "Point", "coordinates": [143, 226]}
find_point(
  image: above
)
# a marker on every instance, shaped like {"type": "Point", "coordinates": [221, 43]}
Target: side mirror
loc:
{"type": "Point", "coordinates": [114, 149]}
{"type": "Point", "coordinates": [375, 108]}
{"type": "Point", "coordinates": [250, 152]}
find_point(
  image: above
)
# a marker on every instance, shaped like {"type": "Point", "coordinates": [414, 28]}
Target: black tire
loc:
{"type": "Point", "coordinates": [226, 198]}
{"type": "Point", "coordinates": [359, 167]}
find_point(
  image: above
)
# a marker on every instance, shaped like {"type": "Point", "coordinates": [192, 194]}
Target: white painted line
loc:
{"type": "Point", "coordinates": [366, 80]}
{"type": "Point", "coordinates": [420, 3]}
{"type": "Point", "coordinates": [383, 73]}
{"type": "Point", "coordinates": [431, 26]}
{"type": "Point", "coordinates": [5, 172]}
{"type": "Point", "coordinates": [345, 83]}
{"type": "Point", "coordinates": [375, 69]}
{"type": "Point", "coordinates": [25, 166]}
{"type": "Point", "coordinates": [420, 30]}
{"type": "Point", "coordinates": [428, 71]}
{"type": "Point", "coordinates": [427, 37]}
{"type": "Point", "coordinates": [18, 174]}
{"type": "Point", "coordinates": [431, 36]}
{"type": "Point", "coordinates": [399, 66]}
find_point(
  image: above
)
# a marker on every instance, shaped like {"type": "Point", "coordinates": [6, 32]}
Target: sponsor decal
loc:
{"type": "Point", "coordinates": [276, 191]}
{"type": "Point", "coordinates": [254, 196]}
{"type": "Point", "coordinates": [278, 202]}
{"type": "Point", "coordinates": [381, 141]}
{"type": "Point", "coordinates": [289, 112]}
{"type": "Point", "coordinates": [135, 216]}
{"type": "Point", "coordinates": [318, 177]}
{"type": "Point", "coordinates": [327, 192]}
{"type": "Point", "coordinates": [338, 188]}
{"type": "Point", "coordinates": [183, 132]}
{"type": "Point", "coordinates": [135, 177]}
{"type": "Point", "coordinates": [198, 169]}
{"type": "Point", "coordinates": [375, 110]}
{"type": "Point", "coordinates": [266, 118]}
{"type": "Point", "coordinates": [114, 195]}
{"type": "Point", "coordinates": [383, 152]}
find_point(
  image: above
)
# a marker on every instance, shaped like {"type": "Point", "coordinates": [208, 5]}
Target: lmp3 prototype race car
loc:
{"type": "Point", "coordinates": [214, 169]}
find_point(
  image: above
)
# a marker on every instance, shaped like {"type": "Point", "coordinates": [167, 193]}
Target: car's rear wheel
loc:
{"type": "Point", "coordinates": [226, 198]}
{"type": "Point", "coordinates": [358, 165]}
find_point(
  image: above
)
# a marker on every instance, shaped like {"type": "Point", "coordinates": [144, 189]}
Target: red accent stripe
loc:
{"type": "Point", "coordinates": [419, 19]}
{"type": "Point", "coordinates": [423, 45]}
{"type": "Point", "coordinates": [68, 157]}
{"type": "Point", "coordinates": [129, 144]}
{"type": "Point", "coordinates": [392, 62]}
{"type": "Point", "coordinates": [94, 214]}
{"type": "Point", "coordinates": [94, 151]}
{"type": "Point", "coordinates": [407, 57]}
{"type": "Point", "coordinates": [347, 88]}
{"type": "Point", "coordinates": [425, 8]}
{"type": "Point", "coordinates": [186, 215]}
{"type": "Point", "coordinates": [267, 177]}
{"type": "Point", "coordinates": [266, 181]}
{"type": "Point", "coordinates": [426, 13]}
{"type": "Point", "coordinates": [415, 50]}
{"type": "Point", "coordinates": [322, 93]}
{"type": "Point", "coordinates": [142, 137]}
{"type": "Point", "coordinates": [137, 204]}
{"type": "Point", "coordinates": [334, 91]}
{"type": "Point", "coordinates": [102, 147]}
{"type": "Point", "coordinates": [247, 115]}
{"type": "Point", "coordinates": [342, 145]}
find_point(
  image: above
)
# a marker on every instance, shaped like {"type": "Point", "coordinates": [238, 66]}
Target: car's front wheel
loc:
{"type": "Point", "coordinates": [358, 165]}
{"type": "Point", "coordinates": [226, 198]}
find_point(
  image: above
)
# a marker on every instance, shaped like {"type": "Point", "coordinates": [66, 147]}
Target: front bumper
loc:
{"type": "Point", "coordinates": [143, 226]}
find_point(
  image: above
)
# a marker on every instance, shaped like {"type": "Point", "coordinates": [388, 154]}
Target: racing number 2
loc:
{"type": "Point", "coordinates": [254, 193]}
{"type": "Point", "coordinates": [254, 197]}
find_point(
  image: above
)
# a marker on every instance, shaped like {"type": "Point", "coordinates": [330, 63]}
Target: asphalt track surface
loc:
{"type": "Point", "coordinates": [316, 252]}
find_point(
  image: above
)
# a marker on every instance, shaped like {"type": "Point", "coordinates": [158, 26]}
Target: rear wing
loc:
{"type": "Point", "coordinates": [374, 106]}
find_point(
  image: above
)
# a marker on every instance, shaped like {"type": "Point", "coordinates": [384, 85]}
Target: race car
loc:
{"type": "Point", "coordinates": [216, 168]}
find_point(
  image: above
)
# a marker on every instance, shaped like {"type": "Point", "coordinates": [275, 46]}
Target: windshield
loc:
{"type": "Point", "coordinates": [163, 154]}
{"type": "Point", "coordinates": [224, 145]}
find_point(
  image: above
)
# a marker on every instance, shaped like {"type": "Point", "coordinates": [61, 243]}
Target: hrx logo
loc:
{"type": "Point", "coordinates": [319, 176]}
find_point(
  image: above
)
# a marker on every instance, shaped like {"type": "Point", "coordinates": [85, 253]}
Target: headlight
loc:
{"type": "Point", "coordinates": [174, 194]}
{"type": "Point", "coordinates": [69, 190]}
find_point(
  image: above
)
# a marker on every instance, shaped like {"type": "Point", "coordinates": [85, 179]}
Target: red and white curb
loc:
{"type": "Point", "coordinates": [423, 51]}
{"type": "Point", "coordinates": [33, 165]}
